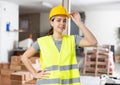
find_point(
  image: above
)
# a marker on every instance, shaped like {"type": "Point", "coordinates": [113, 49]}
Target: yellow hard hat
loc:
{"type": "Point", "coordinates": [58, 10]}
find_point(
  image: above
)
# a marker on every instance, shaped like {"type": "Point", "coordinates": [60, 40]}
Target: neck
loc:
{"type": "Point", "coordinates": [57, 36]}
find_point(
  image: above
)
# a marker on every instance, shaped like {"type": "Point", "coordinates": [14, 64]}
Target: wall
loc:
{"type": "Point", "coordinates": [0, 27]}
{"type": "Point", "coordinates": [74, 28]}
{"type": "Point", "coordinates": [44, 23]}
{"type": "Point", "coordinates": [33, 22]}
{"type": "Point", "coordinates": [8, 13]}
{"type": "Point", "coordinates": [104, 25]}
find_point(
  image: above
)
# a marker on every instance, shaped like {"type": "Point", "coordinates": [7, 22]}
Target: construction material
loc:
{"type": "Point", "coordinates": [109, 80]}
{"type": "Point", "coordinates": [98, 60]}
{"type": "Point", "coordinates": [20, 77]}
{"type": "Point", "coordinates": [15, 73]}
{"type": "Point", "coordinates": [117, 58]}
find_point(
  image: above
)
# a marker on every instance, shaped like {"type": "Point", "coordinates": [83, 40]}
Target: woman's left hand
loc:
{"type": "Point", "coordinates": [76, 17]}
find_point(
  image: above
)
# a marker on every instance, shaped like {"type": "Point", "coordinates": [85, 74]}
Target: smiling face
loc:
{"type": "Point", "coordinates": [58, 23]}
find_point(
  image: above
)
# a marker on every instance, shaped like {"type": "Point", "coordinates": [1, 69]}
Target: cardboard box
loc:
{"type": "Point", "coordinates": [6, 72]}
{"type": "Point", "coordinates": [5, 80]}
{"type": "Point", "coordinates": [5, 77]}
{"type": "Point", "coordinates": [17, 67]}
{"type": "Point", "coordinates": [6, 65]}
{"type": "Point", "coordinates": [117, 58]}
{"type": "Point", "coordinates": [16, 60]}
{"type": "Point", "coordinates": [1, 65]}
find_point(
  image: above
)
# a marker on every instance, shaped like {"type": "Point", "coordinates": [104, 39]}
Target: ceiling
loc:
{"type": "Point", "coordinates": [80, 5]}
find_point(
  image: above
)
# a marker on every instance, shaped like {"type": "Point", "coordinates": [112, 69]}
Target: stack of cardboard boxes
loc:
{"type": "Point", "coordinates": [15, 73]}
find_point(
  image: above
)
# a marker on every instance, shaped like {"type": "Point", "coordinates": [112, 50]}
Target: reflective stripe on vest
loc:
{"type": "Point", "coordinates": [67, 67]}
{"type": "Point", "coordinates": [62, 65]}
{"type": "Point", "coordinates": [57, 81]}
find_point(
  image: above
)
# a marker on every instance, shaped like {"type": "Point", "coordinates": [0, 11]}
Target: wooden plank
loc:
{"type": "Point", "coordinates": [21, 76]}
{"type": "Point", "coordinates": [97, 60]}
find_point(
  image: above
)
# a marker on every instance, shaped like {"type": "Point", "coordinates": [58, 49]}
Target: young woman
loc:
{"type": "Point", "coordinates": [57, 51]}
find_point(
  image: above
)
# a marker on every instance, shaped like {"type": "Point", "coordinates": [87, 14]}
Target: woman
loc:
{"type": "Point", "coordinates": [57, 51]}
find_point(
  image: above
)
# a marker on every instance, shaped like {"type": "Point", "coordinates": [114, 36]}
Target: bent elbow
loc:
{"type": "Point", "coordinates": [22, 59]}
{"type": "Point", "coordinates": [94, 43]}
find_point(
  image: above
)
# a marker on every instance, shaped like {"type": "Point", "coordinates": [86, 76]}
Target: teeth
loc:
{"type": "Point", "coordinates": [61, 27]}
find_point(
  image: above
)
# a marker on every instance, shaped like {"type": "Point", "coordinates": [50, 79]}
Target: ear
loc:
{"type": "Point", "coordinates": [51, 22]}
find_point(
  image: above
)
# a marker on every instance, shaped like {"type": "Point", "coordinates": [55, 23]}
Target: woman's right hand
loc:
{"type": "Point", "coordinates": [42, 74]}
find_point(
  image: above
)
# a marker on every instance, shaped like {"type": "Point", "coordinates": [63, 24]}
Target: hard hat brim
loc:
{"type": "Point", "coordinates": [67, 15]}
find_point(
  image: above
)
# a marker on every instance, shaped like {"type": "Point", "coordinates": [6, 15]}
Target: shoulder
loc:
{"type": "Point", "coordinates": [68, 36]}
{"type": "Point", "coordinates": [42, 38]}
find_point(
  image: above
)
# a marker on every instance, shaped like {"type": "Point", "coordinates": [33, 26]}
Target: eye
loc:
{"type": "Point", "coordinates": [58, 20]}
{"type": "Point", "coordinates": [64, 20]}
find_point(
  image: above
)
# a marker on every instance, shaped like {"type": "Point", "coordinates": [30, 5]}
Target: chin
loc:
{"type": "Point", "coordinates": [60, 30]}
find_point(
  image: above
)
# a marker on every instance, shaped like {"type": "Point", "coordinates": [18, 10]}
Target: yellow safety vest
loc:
{"type": "Point", "coordinates": [62, 65]}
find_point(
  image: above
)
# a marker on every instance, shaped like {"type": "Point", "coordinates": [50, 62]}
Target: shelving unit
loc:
{"type": "Point", "coordinates": [17, 30]}
{"type": "Point", "coordinates": [97, 61]}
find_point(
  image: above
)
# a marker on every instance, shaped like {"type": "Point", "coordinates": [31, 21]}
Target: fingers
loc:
{"type": "Point", "coordinates": [43, 74]}
{"type": "Point", "coordinates": [76, 17]}
{"type": "Point", "coordinates": [44, 77]}
{"type": "Point", "coordinates": [46, 72]}
{"type": "Point", "coordinates": [74, 13]}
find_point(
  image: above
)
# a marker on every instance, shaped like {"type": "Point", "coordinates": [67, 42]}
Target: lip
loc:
{"type": "Point", "coordinates": [62, 28]}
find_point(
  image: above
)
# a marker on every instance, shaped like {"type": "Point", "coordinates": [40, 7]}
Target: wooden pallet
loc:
{"type": "Point", "coordinates": [96, 61]}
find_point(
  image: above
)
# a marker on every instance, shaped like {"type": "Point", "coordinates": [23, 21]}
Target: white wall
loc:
{"type": "Point", "coordinates": [8, 13]}
{"type": "Point", "coordinates": [104, 25]}
{"type": "Point", "coordinates": [44, 23]}
{"type": "Point", "coordinates": [0, 27]}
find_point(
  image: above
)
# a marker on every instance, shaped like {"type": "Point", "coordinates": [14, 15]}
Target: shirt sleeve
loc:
{"type": "Point", "coordinates": [77, 39]}
{"type": "Point", "coordinates": [36, 46]}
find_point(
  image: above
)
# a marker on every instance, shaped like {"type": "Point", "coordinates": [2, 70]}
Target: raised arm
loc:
{"type": "Point", "coordinates": [88, 39]}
